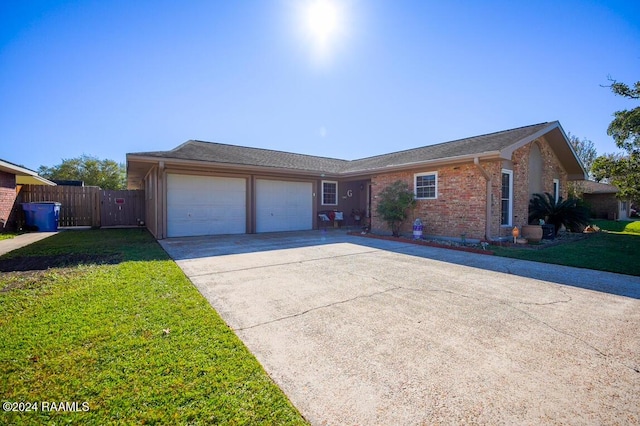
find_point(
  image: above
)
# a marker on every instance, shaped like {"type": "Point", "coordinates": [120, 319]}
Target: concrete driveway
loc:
{"type": "Point", "coordinates": [362, 331]}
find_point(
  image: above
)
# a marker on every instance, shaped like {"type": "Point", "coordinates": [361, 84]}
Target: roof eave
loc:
{"type": "Point", "coordinates": [16, 170]}
{"type": "Point", "coordinates": [23, 175]}
{"type": "Point", "coordinates": [234, 167]}
{"type": "Point", "coordinates": [565, 152]}
{"type": "Point", "coordinates": [507, 152]}
{"type": "Point", "coordinates": [179, 163]}
{"type": "Point", "coordinates": [576, 177]}
{"type": "Point", "coordinates": [437, 162]}
{"type": "Point", "coordinates": [33, 180]}
{"type": "Point", "coordinates": [583, 174]}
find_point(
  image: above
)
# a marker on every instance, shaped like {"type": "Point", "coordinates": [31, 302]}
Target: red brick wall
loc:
{"type": "Point", "coordinates": [461, 203]}
{"type": "Point", "coordinates": [602, 206]}
{"type": "Point", "coordinates": [494, 169]}
{"type": "Point", "coordinates": [459, 208]}
{"type": "Point", "coordinates": [521, 195]}
{"type": "Point", "coordinates": [7, 196]}
{"type": "Point", "coordinates": [551, 170]}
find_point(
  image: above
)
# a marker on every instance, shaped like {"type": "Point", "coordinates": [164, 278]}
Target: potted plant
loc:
{"type": "Point", "coordinates": [569, 213]}
{"type": "Point", "coordinates": [532, 232]}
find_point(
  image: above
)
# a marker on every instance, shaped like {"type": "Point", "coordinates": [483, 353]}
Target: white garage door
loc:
{"type": "Point", "coordinates": [283, 206]}
{"type": "Point", "coordinates": [205, 205]}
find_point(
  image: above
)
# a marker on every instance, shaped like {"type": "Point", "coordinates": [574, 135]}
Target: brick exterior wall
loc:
{"type": "Point", "coordinates": [551, 170]}
{"type": "Point", "coordinates": [494, 169]}
{"type": "Point", "coordinates": [7, 196]}
{"type": "Point", "coordinates": [460, 207]}
{"type": "Point", "coordinates": [602, 206]}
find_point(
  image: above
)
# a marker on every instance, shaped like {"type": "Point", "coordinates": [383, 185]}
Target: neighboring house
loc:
{"type": "Point", "coordinates": [12, 177]}
{"type": "Point", "coordinates": [602, 201]}
{"type": "Point", "coordinates": [478, 186]}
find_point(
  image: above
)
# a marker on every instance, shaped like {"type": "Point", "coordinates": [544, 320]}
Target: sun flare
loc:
{"type": "Point", "coordinates": [323, 23]}
{"type": "Point", "coordinates": [322, 20]}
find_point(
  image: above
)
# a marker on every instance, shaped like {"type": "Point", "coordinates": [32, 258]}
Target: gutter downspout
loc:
{"type": "Point", "coordinates": [487, 176]}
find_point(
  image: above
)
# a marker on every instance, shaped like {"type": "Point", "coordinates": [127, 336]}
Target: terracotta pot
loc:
{"type": "Point", "coordinates": [533, 233]}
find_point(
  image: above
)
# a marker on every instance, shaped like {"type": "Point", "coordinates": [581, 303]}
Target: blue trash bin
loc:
{"type": "Point", "coordinates": [43, 216]}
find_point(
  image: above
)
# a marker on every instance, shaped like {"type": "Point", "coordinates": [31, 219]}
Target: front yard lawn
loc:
{"type": "Point", "coordinates": [615, 249]}
{"type": "Point", "coordinates": [621, 227]}
{"type": "Point", "coordinates": [115, 329]}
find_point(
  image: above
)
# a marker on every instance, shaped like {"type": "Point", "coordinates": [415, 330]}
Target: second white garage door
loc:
{"type": "Point", "coordinates": [283, 206]}
{"type": "Point", "coordinates": [205, 205]}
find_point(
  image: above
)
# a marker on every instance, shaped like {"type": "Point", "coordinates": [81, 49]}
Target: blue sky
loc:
{"type": "Point", "coordinates": [105, 78]}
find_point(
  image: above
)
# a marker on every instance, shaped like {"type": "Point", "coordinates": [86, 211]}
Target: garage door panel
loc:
{"type": "Point", "coordinates": [283, 206]}
{"type": "Point", "coordinates": [205, 205]}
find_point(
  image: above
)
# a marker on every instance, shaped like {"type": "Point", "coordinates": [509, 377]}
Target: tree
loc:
{"type": "Point", "coordinates": [586, 153]}
{"type": "Point", "coordinates": [605, 167]}
{"type": "Point", "coordinates": [393, 203]}
{"type": "Point", "coordinates": [107, 174]}
{"type": "Point", "coordinates": [623, 171]}
{"type": "Point", "coordinates": [625, 127]}
{"type": "Point", "coordinates": [585, 150]}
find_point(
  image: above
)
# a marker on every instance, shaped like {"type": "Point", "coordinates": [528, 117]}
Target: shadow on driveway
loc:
{"type": "Point", "coordinates": [187, 248]}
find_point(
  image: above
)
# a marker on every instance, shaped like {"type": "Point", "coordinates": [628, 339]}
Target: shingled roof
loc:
{"type": "Point", "coordinates": [489, 144]}
{"type": "Point", "coordinates": [242, 155]}
{"type": "Point", "coordinates": [591, 187]}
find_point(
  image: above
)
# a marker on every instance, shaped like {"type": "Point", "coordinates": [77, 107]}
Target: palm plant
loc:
{"type": "Point", "coordinates": [570, 212]}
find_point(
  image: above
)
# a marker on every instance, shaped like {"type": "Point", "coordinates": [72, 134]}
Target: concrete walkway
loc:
{"type": "Point", "coordinates": [22, 240]}
{"type": "Point", "coordinates": [362, 331]}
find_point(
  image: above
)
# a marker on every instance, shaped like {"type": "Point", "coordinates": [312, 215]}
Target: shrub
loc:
{"type": "Point", "coordinates": [393, 203]}
{"type": "Point", "coordinates": [633, 228]}
{"type": "Point", "coordinates": [570, 212]}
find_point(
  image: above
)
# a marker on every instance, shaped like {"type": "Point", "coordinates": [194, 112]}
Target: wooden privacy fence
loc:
{"type": "Point", "coordinates": [121, 208]}
{"type": "Point", "coordinates": [80, 205]}
{"type": "Point", "coordinates": [88, 205]}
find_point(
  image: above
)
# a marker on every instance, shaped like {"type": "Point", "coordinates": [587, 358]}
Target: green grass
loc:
{"type": "Point", "coordinates": [94, 333]}
{"type": "Point", "coordinates": [615, 250]}
{"type": "Point", "coordinates": [6, 236]}
{"type": "Point", "coordinates": [618, 226]}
